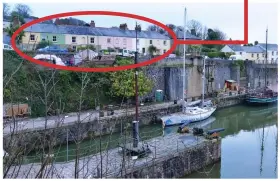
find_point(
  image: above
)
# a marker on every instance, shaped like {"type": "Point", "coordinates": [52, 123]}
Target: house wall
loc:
{"type": "Point", "coordinates": [141, 44]}
{"type": "Point", "coordinates": [159, 43]}
{"type": "Point", "coordinates": [26, 38]}
{"type": "Point", "coordinates": [60, 38]}
{"type": "Point", "coordinates": [80, 39]}
{"type": "Point", "coordinates": [257, 57]}
{"type": "Point", "coordinates": [272, 56]}
{"type": "Point", "coordinates": [120, 42]}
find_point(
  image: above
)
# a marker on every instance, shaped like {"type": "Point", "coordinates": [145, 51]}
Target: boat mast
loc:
{"type": "Point", "coordinates": [184, 63]}
{"type": "Point", "coordinates": [265, 71]}
{"type": "Point", "coordinates": [203, 78]}
{"type": "Point", "coordinates": [136, 121]}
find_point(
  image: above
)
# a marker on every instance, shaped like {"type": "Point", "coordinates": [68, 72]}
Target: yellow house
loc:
{"type": "Point", "coordinates": [30, 40]}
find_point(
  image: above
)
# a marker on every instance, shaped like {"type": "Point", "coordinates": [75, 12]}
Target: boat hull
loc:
{"type": "Point", "coordinates": [181, 118]}
{"type": "Point", "coordinates": [261, 101]}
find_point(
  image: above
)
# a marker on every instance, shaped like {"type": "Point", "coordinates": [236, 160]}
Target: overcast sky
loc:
{"type": "Point", "coordinates": [228, 17]}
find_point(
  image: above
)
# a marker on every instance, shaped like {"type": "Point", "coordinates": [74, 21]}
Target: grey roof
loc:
{"type": "Point", "coordinates": [6, 39]}
{"type": "Point", "coordinates": [236, 48]}
{"type": "Point", "coordinates": [271, 47]}
{"type": "Point", "coordinates": [248, 49]}
{"type": "Point", "coordinates": [252, 49]}
{"type": "Point", "coordinates": [180, 35]}
{"type": "Point", "coordinates": [96, 31]}
{"type": "Point", "coordinates": [26, 20]}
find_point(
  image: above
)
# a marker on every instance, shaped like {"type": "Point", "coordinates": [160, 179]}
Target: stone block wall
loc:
{"type": "Point", "coordinates": [181, 163]}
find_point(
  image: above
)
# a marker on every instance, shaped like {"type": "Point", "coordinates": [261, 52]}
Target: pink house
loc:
{"type": "Point", "coordinates": [114, 42]}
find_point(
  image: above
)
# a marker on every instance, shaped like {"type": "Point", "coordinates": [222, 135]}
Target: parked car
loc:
{"type": "Point", "coordinates": [53, 49]}
{"type": "Point", "coordinates": [7, 47]}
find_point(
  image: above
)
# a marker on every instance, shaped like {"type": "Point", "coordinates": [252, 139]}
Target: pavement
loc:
{"type": "Point", "coordinates": [34, 124]}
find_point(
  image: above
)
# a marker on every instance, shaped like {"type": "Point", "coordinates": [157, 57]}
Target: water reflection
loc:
{"type": "Point", "coordinates": [249, 145]}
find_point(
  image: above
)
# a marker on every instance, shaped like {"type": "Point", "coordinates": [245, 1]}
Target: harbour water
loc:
{"type": "Point", "coordinates": [249, 143]}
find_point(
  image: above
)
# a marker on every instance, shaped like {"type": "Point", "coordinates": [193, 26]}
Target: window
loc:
{"type": "Point", "coordinates": [257, 55]}
{"type": "Point", "coordinates": [164, 42]}
{"type": "Point", "coordinates": [73, 39]}
{"type": "Point", "coordinates": [32, 37]}
{"type": "Point", "coordinates": [91, 40]}
{"type": "Point", "coordinates": [124, 41]}
{"type": "Point", "coordinates": [263, 54]}
{"type": "Point", "coordinates": [272, 59]}
{"type": "Point", "coordinates": [74, 47]}
{"type": "Point", "coordinates": [252, 55]}
{"type": "Point", "coordinates": [137, 41]}
{"type": "Point", "coordinates": [44, 37]}
{"type": "Point", "coordinates": [143, 50]}
{"type": "Point", "coordinates": [54, 38]}
{"type": "Point", "coordinates": [151, 42]}
{"type": "Point", "coordinates": [108, 40]}
{"type": "Point", "coordinates": [164, 51]}
{"type": "Point", "coordinates": [240, 53]}
{"type": "Point", "coordinates": [272, 53]}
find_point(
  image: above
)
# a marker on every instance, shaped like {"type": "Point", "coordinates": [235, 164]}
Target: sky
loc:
{"type": "Point", "coordinates": [228, 17]}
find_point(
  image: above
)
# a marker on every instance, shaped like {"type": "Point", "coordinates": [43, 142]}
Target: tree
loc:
{"type": "Point", "coordinates": [138, 28]}
{"type": "Point", "coordinates": [6, 10]}
{"type": "Point", "coordinates": [123, 82]}
{"type": "Point", "coordinates": [43, 44]}
{"type": "Point", "coordinates": [195, 27]}
{"type": "Point", "coordinates": [152, 49]}
{"type": "Point", "coordinates": [18, 16]}
{"type": "Point", "coordinates": [152, 28]}
{"type": "Point", "coordinates": [23, 10]}
{"type": "Point", "coordinates": [11, 29]}
{"type": "Point", "coordinates": [172, 27]}
{"type": "Point", "coordinates": [256, 43]}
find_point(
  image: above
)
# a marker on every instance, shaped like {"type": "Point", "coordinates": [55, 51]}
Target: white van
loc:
{"type": "Point", "coordinates": [236, 57]}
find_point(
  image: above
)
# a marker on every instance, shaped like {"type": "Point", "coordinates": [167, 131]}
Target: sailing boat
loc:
{"type": "Point", "coordinates": [190, 114]}
{"type": "Point", "coordinates": [267, 95]}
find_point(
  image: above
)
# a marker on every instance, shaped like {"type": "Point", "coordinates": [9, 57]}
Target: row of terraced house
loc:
{"type": "Point", "coordinates": [102, 38]}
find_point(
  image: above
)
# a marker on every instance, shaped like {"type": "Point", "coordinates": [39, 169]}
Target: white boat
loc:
{"type": "Point", "coordinates": [190, 114]}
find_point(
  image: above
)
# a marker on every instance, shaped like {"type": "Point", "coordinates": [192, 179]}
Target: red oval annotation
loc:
{"type": "Point", "coordinates": [87, 69]}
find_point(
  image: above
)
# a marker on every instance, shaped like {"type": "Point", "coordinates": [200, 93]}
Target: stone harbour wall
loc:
{"type": "Point", "coordinates": [182, 163]}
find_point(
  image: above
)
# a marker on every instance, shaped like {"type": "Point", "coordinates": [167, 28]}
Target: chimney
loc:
{"type": "Point", "coordinates": [57, 21]}
{"type": "Point", "coordinates": [92, 23]}
{"type": "Point", "coordinates": [123, 26]}
{"type": "Point", "coordinates": [16, 21]}
{"type": "Point", "coordinates": [193, 32]}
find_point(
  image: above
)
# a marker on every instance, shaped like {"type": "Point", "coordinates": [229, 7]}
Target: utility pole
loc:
{"type": "Point", "coordinates": [136, 121]}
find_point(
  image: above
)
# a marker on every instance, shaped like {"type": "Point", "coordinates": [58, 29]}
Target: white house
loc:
{"type": "Point", "coordinates": [255, 53]}
{"type": "Point", "coordinates": [272, 52]}
{"type": "Point", "coordinates": [237, 49]}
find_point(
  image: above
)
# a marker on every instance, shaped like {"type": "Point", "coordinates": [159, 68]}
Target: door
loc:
{"type": "Point", "coordinates": [143, 50]}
